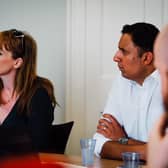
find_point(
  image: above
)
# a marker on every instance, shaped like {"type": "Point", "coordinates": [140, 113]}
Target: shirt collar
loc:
{"type": "Point", "coordinates": [153, 76]}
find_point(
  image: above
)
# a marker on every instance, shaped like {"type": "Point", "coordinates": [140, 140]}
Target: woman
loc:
{"type": "Point", "coordinates": [27, 101]}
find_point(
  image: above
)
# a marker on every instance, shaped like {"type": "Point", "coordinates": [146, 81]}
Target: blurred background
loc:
{"type": "Point", "coordinates": [77, 40]}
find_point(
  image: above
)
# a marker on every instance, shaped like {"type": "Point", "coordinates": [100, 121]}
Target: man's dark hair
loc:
{"type": "Point", "coordinates": [143, 35]}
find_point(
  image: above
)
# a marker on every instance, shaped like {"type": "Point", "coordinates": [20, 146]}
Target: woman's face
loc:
{"type": "Point", "coordinates": [162, 68]}
{"type": "Point", "coordinates": [164, 80]}
{"type": "Point", "coordinates": [161, 63]}
{"type": "Point", "coordinates": [7, 63]}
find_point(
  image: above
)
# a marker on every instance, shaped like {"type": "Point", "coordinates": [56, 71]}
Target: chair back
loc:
{"type": "Point", "coordinates": [58, 137]}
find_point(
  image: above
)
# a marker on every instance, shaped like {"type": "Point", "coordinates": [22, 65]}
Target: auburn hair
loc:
{"type": "Point", "coordinates": [22, 45]}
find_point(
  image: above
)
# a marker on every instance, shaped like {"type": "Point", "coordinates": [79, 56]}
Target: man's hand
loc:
{"type": "Point", "coordinates": [110, 128]}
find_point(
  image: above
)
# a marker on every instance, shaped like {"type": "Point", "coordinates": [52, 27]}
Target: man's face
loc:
{"type": "Point", "coordinates": [129, 62]}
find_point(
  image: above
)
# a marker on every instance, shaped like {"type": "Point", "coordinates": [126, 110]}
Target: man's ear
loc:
{"type": "Point", "coordinates": [147, 58]}
{"type": "Point", "coordinates": [18, 63]}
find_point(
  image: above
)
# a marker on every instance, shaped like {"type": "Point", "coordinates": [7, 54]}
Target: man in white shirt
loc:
{"type": "Point", "coordinates": [135, 101]}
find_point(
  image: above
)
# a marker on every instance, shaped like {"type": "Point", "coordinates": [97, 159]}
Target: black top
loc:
{"type": "Point", "coordinates": [23, 133]}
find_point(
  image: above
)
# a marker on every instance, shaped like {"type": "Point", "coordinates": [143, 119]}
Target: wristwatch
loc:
{"type": "Point", "coordinates": [123, 140]}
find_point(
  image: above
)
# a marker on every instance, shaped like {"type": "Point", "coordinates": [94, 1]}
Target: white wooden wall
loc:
{"type": "Point", "coordinates": [93, 31]}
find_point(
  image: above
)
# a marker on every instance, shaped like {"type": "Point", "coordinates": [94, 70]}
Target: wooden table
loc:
{"type": "Point", "coordinates": [76, 160]}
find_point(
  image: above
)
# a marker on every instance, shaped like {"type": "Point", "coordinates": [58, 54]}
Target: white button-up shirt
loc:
{"type": "Point", "coordinates": [136, 107]}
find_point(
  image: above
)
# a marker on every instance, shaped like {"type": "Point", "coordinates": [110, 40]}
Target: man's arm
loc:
{"type": "Point", "coordinates": [113, 149]}
{"type": "Point", "coordinates": [110, 128]}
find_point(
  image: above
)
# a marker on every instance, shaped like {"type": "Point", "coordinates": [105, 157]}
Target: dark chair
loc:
{"type": "Point", "coordinates": [58, 137]}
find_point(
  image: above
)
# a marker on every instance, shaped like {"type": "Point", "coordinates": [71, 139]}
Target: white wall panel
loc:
{"type": "Point", "coordinates": [93, 63]}
{"type": "Point", "coordinates": [165, 12]}
{"type": "Point", "coordinates": [154, 12]}
{"type": "Point", "coordinates": [76, 41]}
